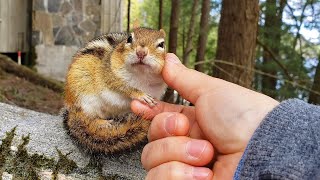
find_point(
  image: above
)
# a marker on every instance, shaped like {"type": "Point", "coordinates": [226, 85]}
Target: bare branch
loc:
{"type": "Point", "coordinates": [293, 83]}
{"type": "Point", "coordinates": [273, 56]}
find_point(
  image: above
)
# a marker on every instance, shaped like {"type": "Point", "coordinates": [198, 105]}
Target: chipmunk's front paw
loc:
{"type": "Point", "coordinates": [146, 98]}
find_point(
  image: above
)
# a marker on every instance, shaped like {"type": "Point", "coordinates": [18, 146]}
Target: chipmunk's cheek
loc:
{"type": "Point", "coordinates": [155, 64]}
{"type": "Point", "coordinates": [132, 59]}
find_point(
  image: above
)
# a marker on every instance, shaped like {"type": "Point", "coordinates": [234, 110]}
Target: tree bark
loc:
{"type": "Point", "coordinates": [272, 40]}
{"type": "Point", "coordinates": [173, 41]}
{"type": "Point", "coordinates": [315, 98]}
{"type": "Point", "coordinates": [160, 25]}
{"type": "Point", "coordinates": [174, 25]}
{"type": "Point", "coordinates": [203, 36]}
{"type": "Point", "coordinates": [188, 47]}
{"type": "Point", "coordinates": [237, 40]}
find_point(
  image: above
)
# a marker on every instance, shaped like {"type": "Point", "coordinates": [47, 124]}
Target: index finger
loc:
{"type": "Point", "coordinates": [148, 112]}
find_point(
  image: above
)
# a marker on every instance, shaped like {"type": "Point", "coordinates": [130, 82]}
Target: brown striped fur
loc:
{"type": "Point", "coordinates": [94, 70]}
{"type": "Point", "coordinates": [95, 137]}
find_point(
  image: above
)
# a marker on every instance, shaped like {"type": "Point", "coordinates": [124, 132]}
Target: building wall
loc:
{"type": "Point", "coordinates": [60, 27]}
{"type": "Point", "coordinates": [13, 26]}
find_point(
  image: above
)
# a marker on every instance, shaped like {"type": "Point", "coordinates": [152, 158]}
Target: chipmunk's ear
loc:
{"type": "Point", "coordinates": [111, 40]}
{"type": "Point", "coordinates": [115, 38]}
{"type": "Point", "coordinates": [135, 24]}
{"type": "Point", "coordinates": [163, 33]}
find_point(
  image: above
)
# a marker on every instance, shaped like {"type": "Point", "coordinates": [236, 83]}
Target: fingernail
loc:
{"type": "Point", "coordinates": [200, 173]}
{"type": "Point", "coordinates": [195, 148]}
{"type": "Point", "coordinates": [170, 124]}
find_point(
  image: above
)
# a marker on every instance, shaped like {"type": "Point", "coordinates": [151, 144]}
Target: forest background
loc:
{"type": "Point", "coordinates": [271, 46]}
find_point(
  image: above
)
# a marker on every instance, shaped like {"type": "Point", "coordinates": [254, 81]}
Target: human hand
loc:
{"type": "Point", "coordinates": [184, 139]}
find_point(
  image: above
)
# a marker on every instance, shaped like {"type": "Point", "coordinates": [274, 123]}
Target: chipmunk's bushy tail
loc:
{"type": "Point", "coordinates": [103, 136]}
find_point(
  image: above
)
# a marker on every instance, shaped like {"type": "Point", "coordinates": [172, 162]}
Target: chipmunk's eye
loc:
{"type": "Point", "coordinates": [161, 44]}
{"type": "Point", "coordinates": [129, 40]}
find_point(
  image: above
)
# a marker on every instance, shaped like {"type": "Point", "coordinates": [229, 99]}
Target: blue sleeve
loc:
{"type": "Point", "coordinates": [286, 145]}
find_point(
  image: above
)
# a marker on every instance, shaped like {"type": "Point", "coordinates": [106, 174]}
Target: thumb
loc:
{"type": "Point", "coordinates": [189, 83]}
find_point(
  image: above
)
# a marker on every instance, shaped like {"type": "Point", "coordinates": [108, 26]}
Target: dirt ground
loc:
{"type": "Point", "coordinates": [20, 92]}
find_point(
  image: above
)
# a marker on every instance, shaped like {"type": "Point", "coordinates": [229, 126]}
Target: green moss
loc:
{"type": "Point", "coordinates": [5, 147]}
{"type": "Point", "coordinates": [41, 161]}
{"type": "Point", "coordinates": [64, 164]}
{"type": "Point", "coordinates": [21, 162]}
{"type": "Point", "coordinates": [25, 166]}
{"type": "Point", "coordinates": [95, 166]}
{"type": "Point", "coordinates": [95, 163]}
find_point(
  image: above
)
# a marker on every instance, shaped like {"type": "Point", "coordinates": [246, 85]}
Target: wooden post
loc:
{"type": "Point", "coordinates": [111, 16]}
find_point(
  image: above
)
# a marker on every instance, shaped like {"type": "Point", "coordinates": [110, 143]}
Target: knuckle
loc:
{"type": "Point", "coordinates": [152, 151]}
{"type": "Point", "coordinates": [160, 172]}
{"type": "Point", "coordinates": [166, 171]}
{"type": "Point", "coordinates": [176, 170]}
{"type": "Point", "coordinates": [164, 147]}
{"type": "Point", "coordinates": [170, 170]}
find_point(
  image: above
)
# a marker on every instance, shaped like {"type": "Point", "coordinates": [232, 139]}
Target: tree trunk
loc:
{"type": "Point", "coordinates": [314, 97]}
{"type": "Point", "coordinates": [128, 16]}
{"type": "Point", "coordinates": [174, 25]}
{"type": "Point", "coordinates": [173, 41]}
{"type": "Point", "coordinates": [203, 36]}
{"type": "Point", "coordinates": [188, 47]}
{"type": "Point", "coordinates": [237, 41]}
{"type": "Point", "coordinates": [160, 25]}
{"type": "Point", "coordinates": [272, 40]}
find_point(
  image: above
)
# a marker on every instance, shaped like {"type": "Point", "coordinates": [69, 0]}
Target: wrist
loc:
{"type": "Point", "coordinates": [254, 116]}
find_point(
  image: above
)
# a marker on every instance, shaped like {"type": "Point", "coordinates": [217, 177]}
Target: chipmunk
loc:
{"type": "Point", "coordinates": [103, 79]}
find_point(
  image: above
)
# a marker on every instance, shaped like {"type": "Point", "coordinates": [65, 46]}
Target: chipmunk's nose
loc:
{"type": "Point", "coordinates": [141, 52]}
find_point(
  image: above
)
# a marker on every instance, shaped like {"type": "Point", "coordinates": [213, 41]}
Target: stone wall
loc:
{"type": "Point", "coordinates": [70, 24]}
{"type": "Point", "coordinates": [65, 22]}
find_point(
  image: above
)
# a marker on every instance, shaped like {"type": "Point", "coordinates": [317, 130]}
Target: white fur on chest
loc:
{"type": "Point", "coordinates": [104, 105]}
{"type": "Point", "coordinates": [149, 83]}
{"type": "Point", "coordinates": [109, 103]}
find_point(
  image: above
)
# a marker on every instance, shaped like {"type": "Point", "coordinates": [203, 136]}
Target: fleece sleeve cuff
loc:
{"type": "Point", "coordinates": [286, 145]}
